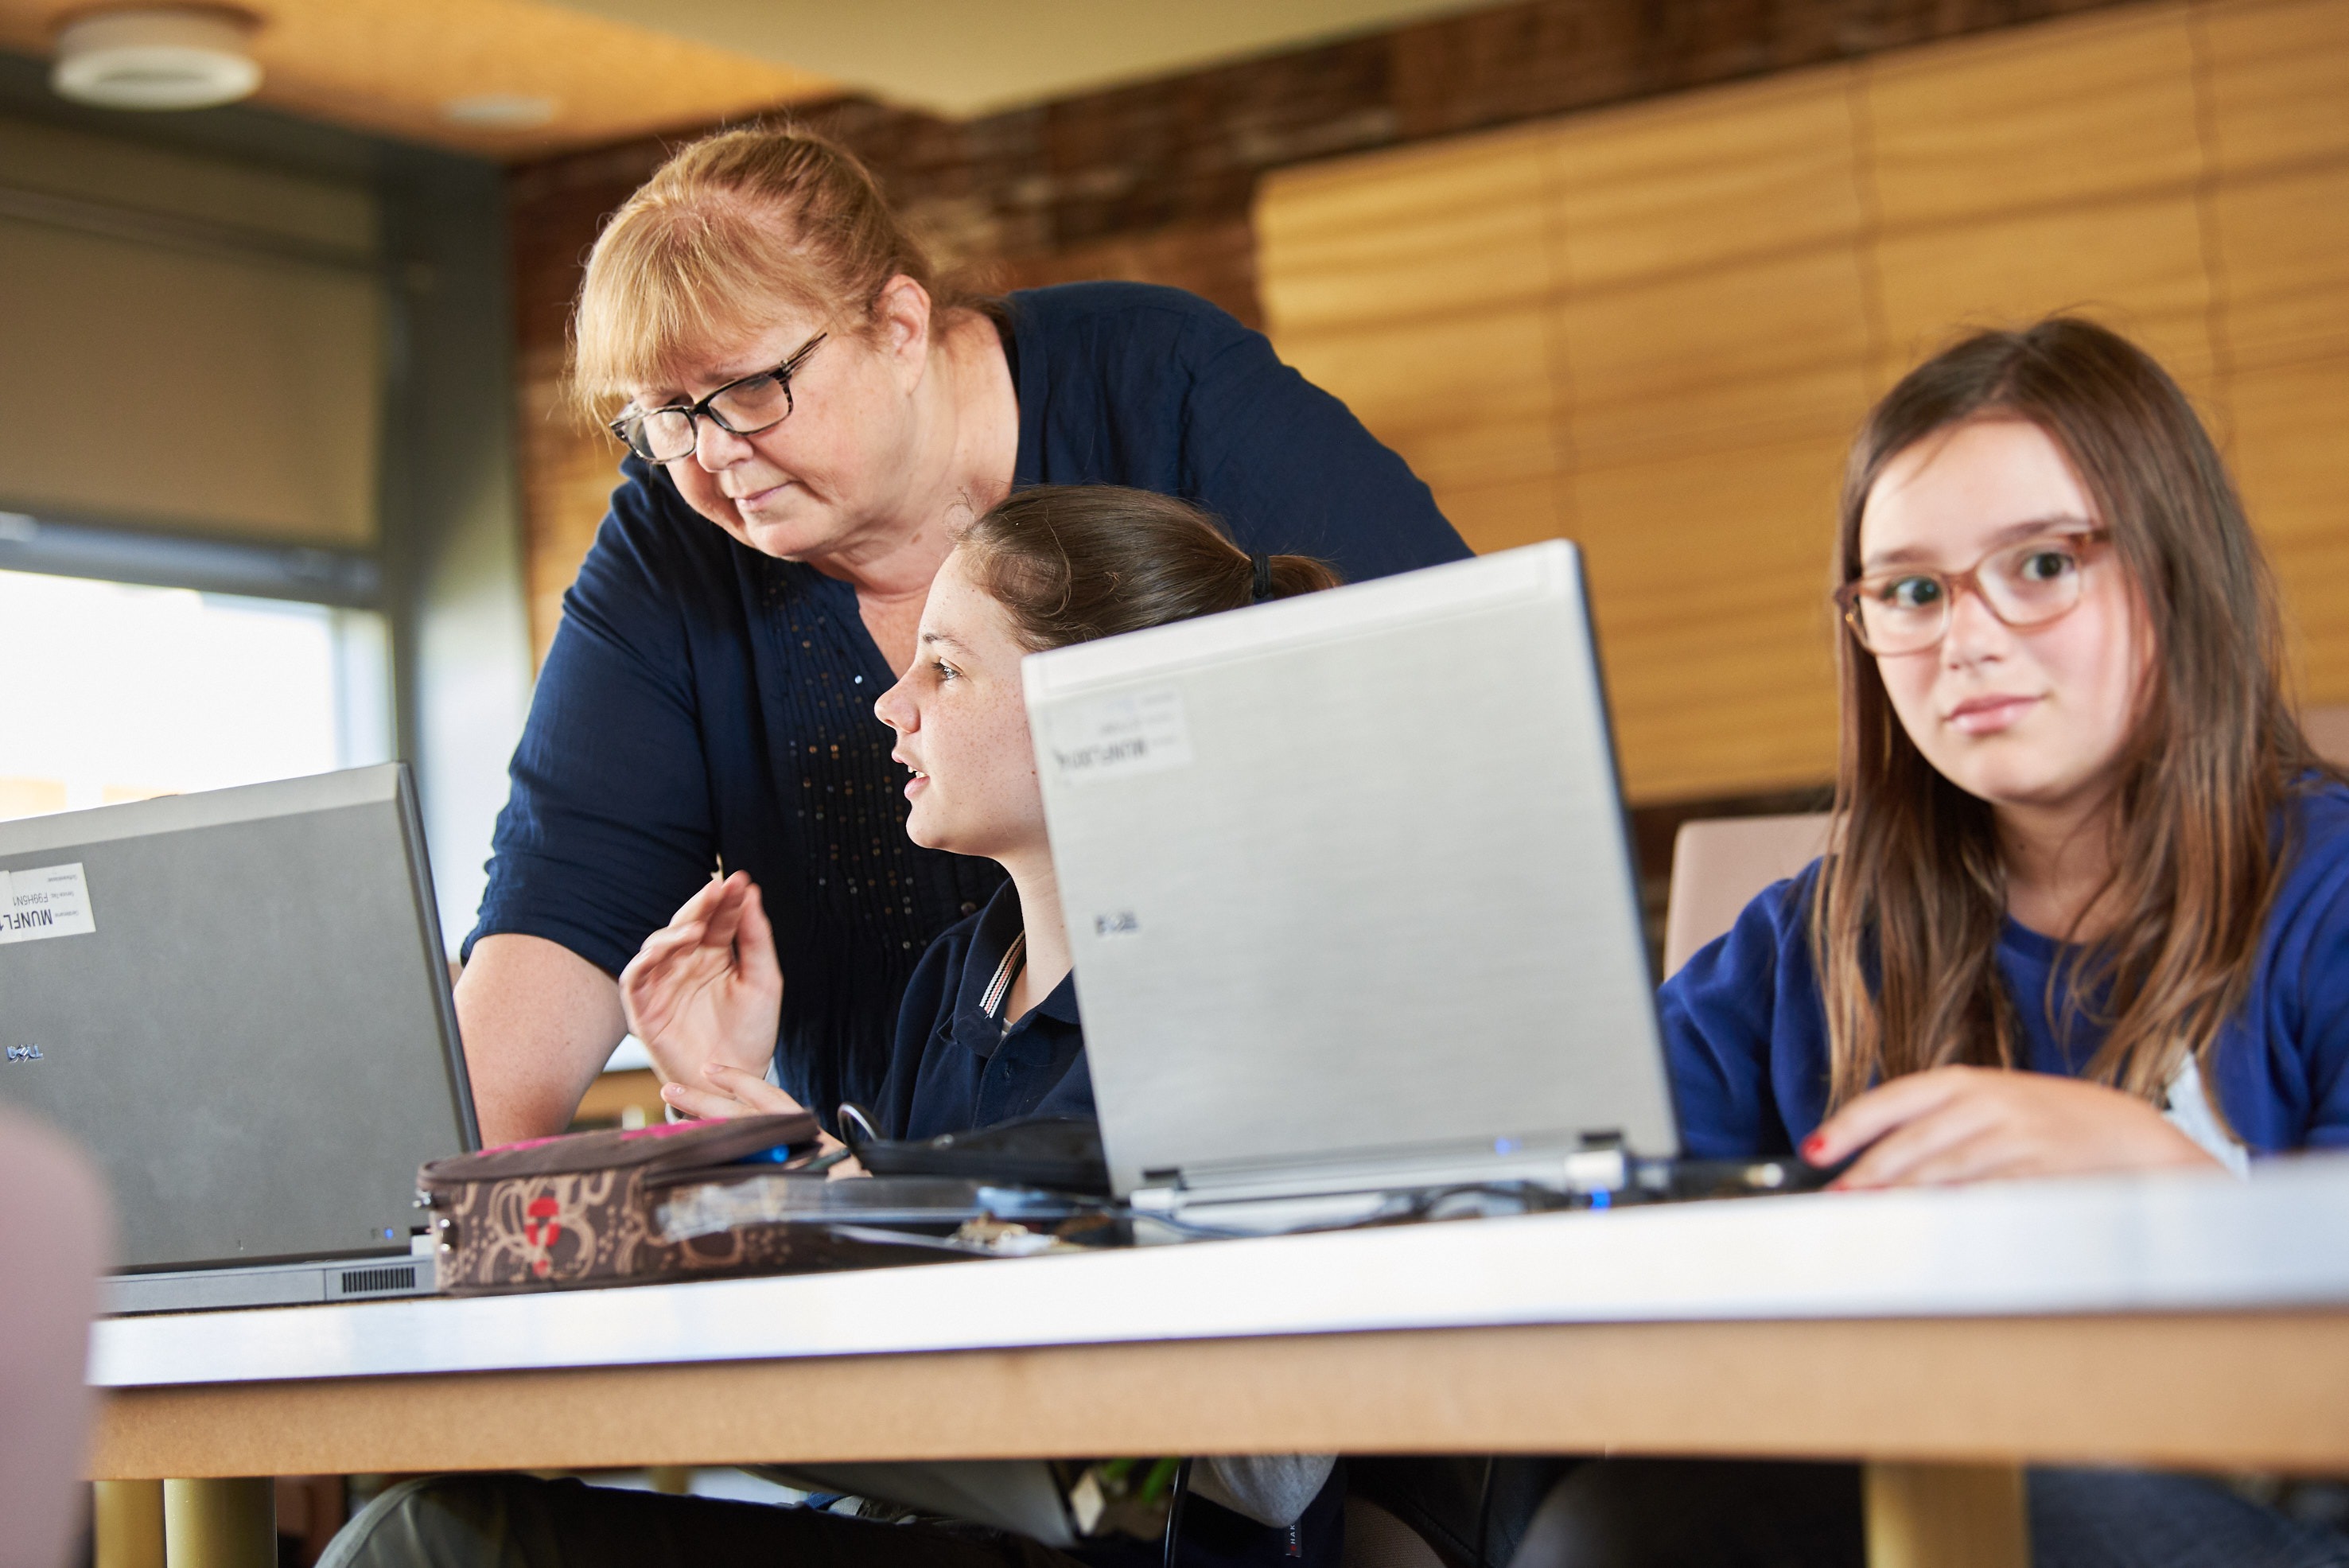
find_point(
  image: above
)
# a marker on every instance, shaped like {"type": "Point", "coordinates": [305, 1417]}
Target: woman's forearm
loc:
{"type": "Point", "coordinates": [539, 1022]}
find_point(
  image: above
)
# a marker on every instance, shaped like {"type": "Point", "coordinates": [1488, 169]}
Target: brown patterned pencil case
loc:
{"type": "Point", "coordinates": [579, 1209]}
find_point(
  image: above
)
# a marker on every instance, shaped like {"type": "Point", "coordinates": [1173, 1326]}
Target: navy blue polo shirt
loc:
{"type": "Point", "coordinates": [956, 1066]}
{"type": "Point", "coordinates": [704, 705]}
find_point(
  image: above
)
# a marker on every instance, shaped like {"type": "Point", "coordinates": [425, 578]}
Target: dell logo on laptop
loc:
{"type": "Point", "coordinates": [24, 1053]}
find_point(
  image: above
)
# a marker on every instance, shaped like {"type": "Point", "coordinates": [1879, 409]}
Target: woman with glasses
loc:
{"type": "Point", "coordinates": [2086, 908]}
{"type": "Point", "coordinates": [809, 417]}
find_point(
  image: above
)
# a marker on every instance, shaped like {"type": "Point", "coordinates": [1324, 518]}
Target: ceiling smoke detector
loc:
{"type": "Point", "coordinates": [156, 57]}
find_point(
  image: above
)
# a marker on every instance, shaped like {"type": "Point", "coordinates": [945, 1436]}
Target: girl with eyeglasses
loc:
{"type": "Point", "coordinates": [2078, 831]}
{"type": "Point", "coordinates": [2085, 906]}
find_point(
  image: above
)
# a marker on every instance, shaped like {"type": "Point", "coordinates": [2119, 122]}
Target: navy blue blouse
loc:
{"type": "Point", "coordinates": [705, 706]}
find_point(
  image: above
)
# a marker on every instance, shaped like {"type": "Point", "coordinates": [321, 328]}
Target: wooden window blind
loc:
{"type": "Point", "coordinates": [191, 344]}
{"type": "Point", "coordinates": [1654, 329]}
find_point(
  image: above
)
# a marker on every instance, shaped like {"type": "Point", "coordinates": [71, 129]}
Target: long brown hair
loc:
{"type": "Point", "coordinates": [1904, 931]}
{"type": "Point", "coordinates": [1074, 561]}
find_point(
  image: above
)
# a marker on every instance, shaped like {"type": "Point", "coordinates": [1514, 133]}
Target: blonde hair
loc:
{"type": "Point", "coordinates": [727, 236]}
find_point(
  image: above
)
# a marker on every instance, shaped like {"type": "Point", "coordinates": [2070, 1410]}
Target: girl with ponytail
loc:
{"type": "Point", "coordinates": [989, 1032]}
{"type": "Point", "coordinates": [1050, 566]}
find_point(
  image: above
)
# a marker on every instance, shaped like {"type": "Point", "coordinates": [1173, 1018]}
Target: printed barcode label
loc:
{"type": "Point", "coordinates": [1116, 737]}
{"type": "Point", "coordinates": [48, 901]}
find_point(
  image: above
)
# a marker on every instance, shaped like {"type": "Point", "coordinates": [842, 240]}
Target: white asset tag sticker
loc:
{"type": "Point", "coordinates": [47, 901]}
{"type": "Point", "coordinates": [1116, 737]}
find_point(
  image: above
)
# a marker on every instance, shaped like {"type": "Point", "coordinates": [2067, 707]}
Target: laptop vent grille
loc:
{"type": "Point", "coordinates": [363, 1281]}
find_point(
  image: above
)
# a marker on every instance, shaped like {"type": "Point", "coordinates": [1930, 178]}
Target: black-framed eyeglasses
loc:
{"type": "Point", "coordinates": [1907, 611]}
{"type": "Point", "coordinates": [742, 407]}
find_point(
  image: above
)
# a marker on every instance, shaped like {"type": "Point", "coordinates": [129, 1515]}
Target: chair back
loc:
{"type": "Point", "coordinates": [1718, 865]}
{"type": "Point", "coordinates": [2327, 730]}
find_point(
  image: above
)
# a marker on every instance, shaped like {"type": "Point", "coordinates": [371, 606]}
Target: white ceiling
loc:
{"type": "Point", "coordinates": [964, 57]}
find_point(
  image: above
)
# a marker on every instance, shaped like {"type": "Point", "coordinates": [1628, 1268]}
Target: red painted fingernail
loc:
{"type": "Point", "coordinates": [1811, 1145]}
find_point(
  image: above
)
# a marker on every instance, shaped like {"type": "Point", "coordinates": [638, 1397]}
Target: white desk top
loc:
{"type": "Point", "coordinates": [2170, 1243]}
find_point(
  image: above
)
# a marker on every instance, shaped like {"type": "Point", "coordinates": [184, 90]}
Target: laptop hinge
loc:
{"type": "Point", "coordinates": [1584, 1164]}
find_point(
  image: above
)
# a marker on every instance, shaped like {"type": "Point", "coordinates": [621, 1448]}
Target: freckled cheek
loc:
{"type": "Point", "coordinates": [988, 760]}
{"type": "Point", "coordinates": [997, 762]}
{"type": "Point", "coordinates": [1012, 759]}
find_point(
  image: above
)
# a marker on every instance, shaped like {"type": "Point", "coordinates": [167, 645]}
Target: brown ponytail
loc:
{"type": "Point", "coordinates": [1072, 563]}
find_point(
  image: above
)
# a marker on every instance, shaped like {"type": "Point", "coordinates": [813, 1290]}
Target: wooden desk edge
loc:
{"type": "Point", "coordinates": [2219, 1390]}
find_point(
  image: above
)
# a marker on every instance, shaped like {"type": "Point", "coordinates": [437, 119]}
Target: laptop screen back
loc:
{"type": "Point", "coordinates": [237, 1002]}
{"type": "Point", "coordinates": [1347, 874]}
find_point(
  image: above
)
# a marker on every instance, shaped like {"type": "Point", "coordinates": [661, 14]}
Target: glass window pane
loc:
{"type": "Point", "coordinates": [118, 692]}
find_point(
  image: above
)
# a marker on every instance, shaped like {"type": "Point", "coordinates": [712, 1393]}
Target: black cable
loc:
{"type": "Point", "coordinates": [856, 1128]}
{"type": "Point", "coordinates": [1484, 1512]}
{"type": "Point", "coordinates": [1175, 1509]}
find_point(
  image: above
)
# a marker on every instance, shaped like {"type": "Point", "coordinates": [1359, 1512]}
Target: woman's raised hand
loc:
{"type": "Point", "coordinates": [1973, 1124]}
{"type": "Point", "coordinates": [705, 995]}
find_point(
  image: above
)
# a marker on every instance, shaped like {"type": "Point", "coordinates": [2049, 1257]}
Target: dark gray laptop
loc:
{"type": "Point", "coordinates": [238, 1002]}
{"type": "Point", "coordinates": [1350, 894]}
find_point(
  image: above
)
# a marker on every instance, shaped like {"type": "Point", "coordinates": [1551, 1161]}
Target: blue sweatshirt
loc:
{"type": "Point", "coordinates": [1747, 1034]}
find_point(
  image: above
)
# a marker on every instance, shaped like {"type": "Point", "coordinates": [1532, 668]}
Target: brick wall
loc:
{"type": "Point", "coordinates": [1154, 181]}
{"type": "Point", "coordinates": [1159, 172]}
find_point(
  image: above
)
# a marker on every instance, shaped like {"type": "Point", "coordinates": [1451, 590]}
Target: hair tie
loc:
{"type": "Point", "coordinates": [1263, 577]}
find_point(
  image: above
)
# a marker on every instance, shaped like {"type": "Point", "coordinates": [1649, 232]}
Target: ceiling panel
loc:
{"type": "Point", "coordinates": [393, 66]}
{"type": "Point", "coordinates": [957, 58]}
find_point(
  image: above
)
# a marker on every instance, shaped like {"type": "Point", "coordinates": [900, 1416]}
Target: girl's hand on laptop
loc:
{"type": "Point", "coordinates": [1973, 1124]}
{"type": "Point", "coordinates": [705, 990]}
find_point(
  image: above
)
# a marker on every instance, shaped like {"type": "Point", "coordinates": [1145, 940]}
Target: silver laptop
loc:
{"type": "Point", "coordinates": [238, 1002]}
{"type": "Point", "coordinates": [1350, 894]}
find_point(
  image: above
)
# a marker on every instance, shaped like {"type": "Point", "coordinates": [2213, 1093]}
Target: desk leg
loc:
{"type": "Point", "coordinates": [1945, 1516]}
{"type": "Point", "coordinates": [222, 1523]}
{"type": "Point", "coordinates": [127, 1525]}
